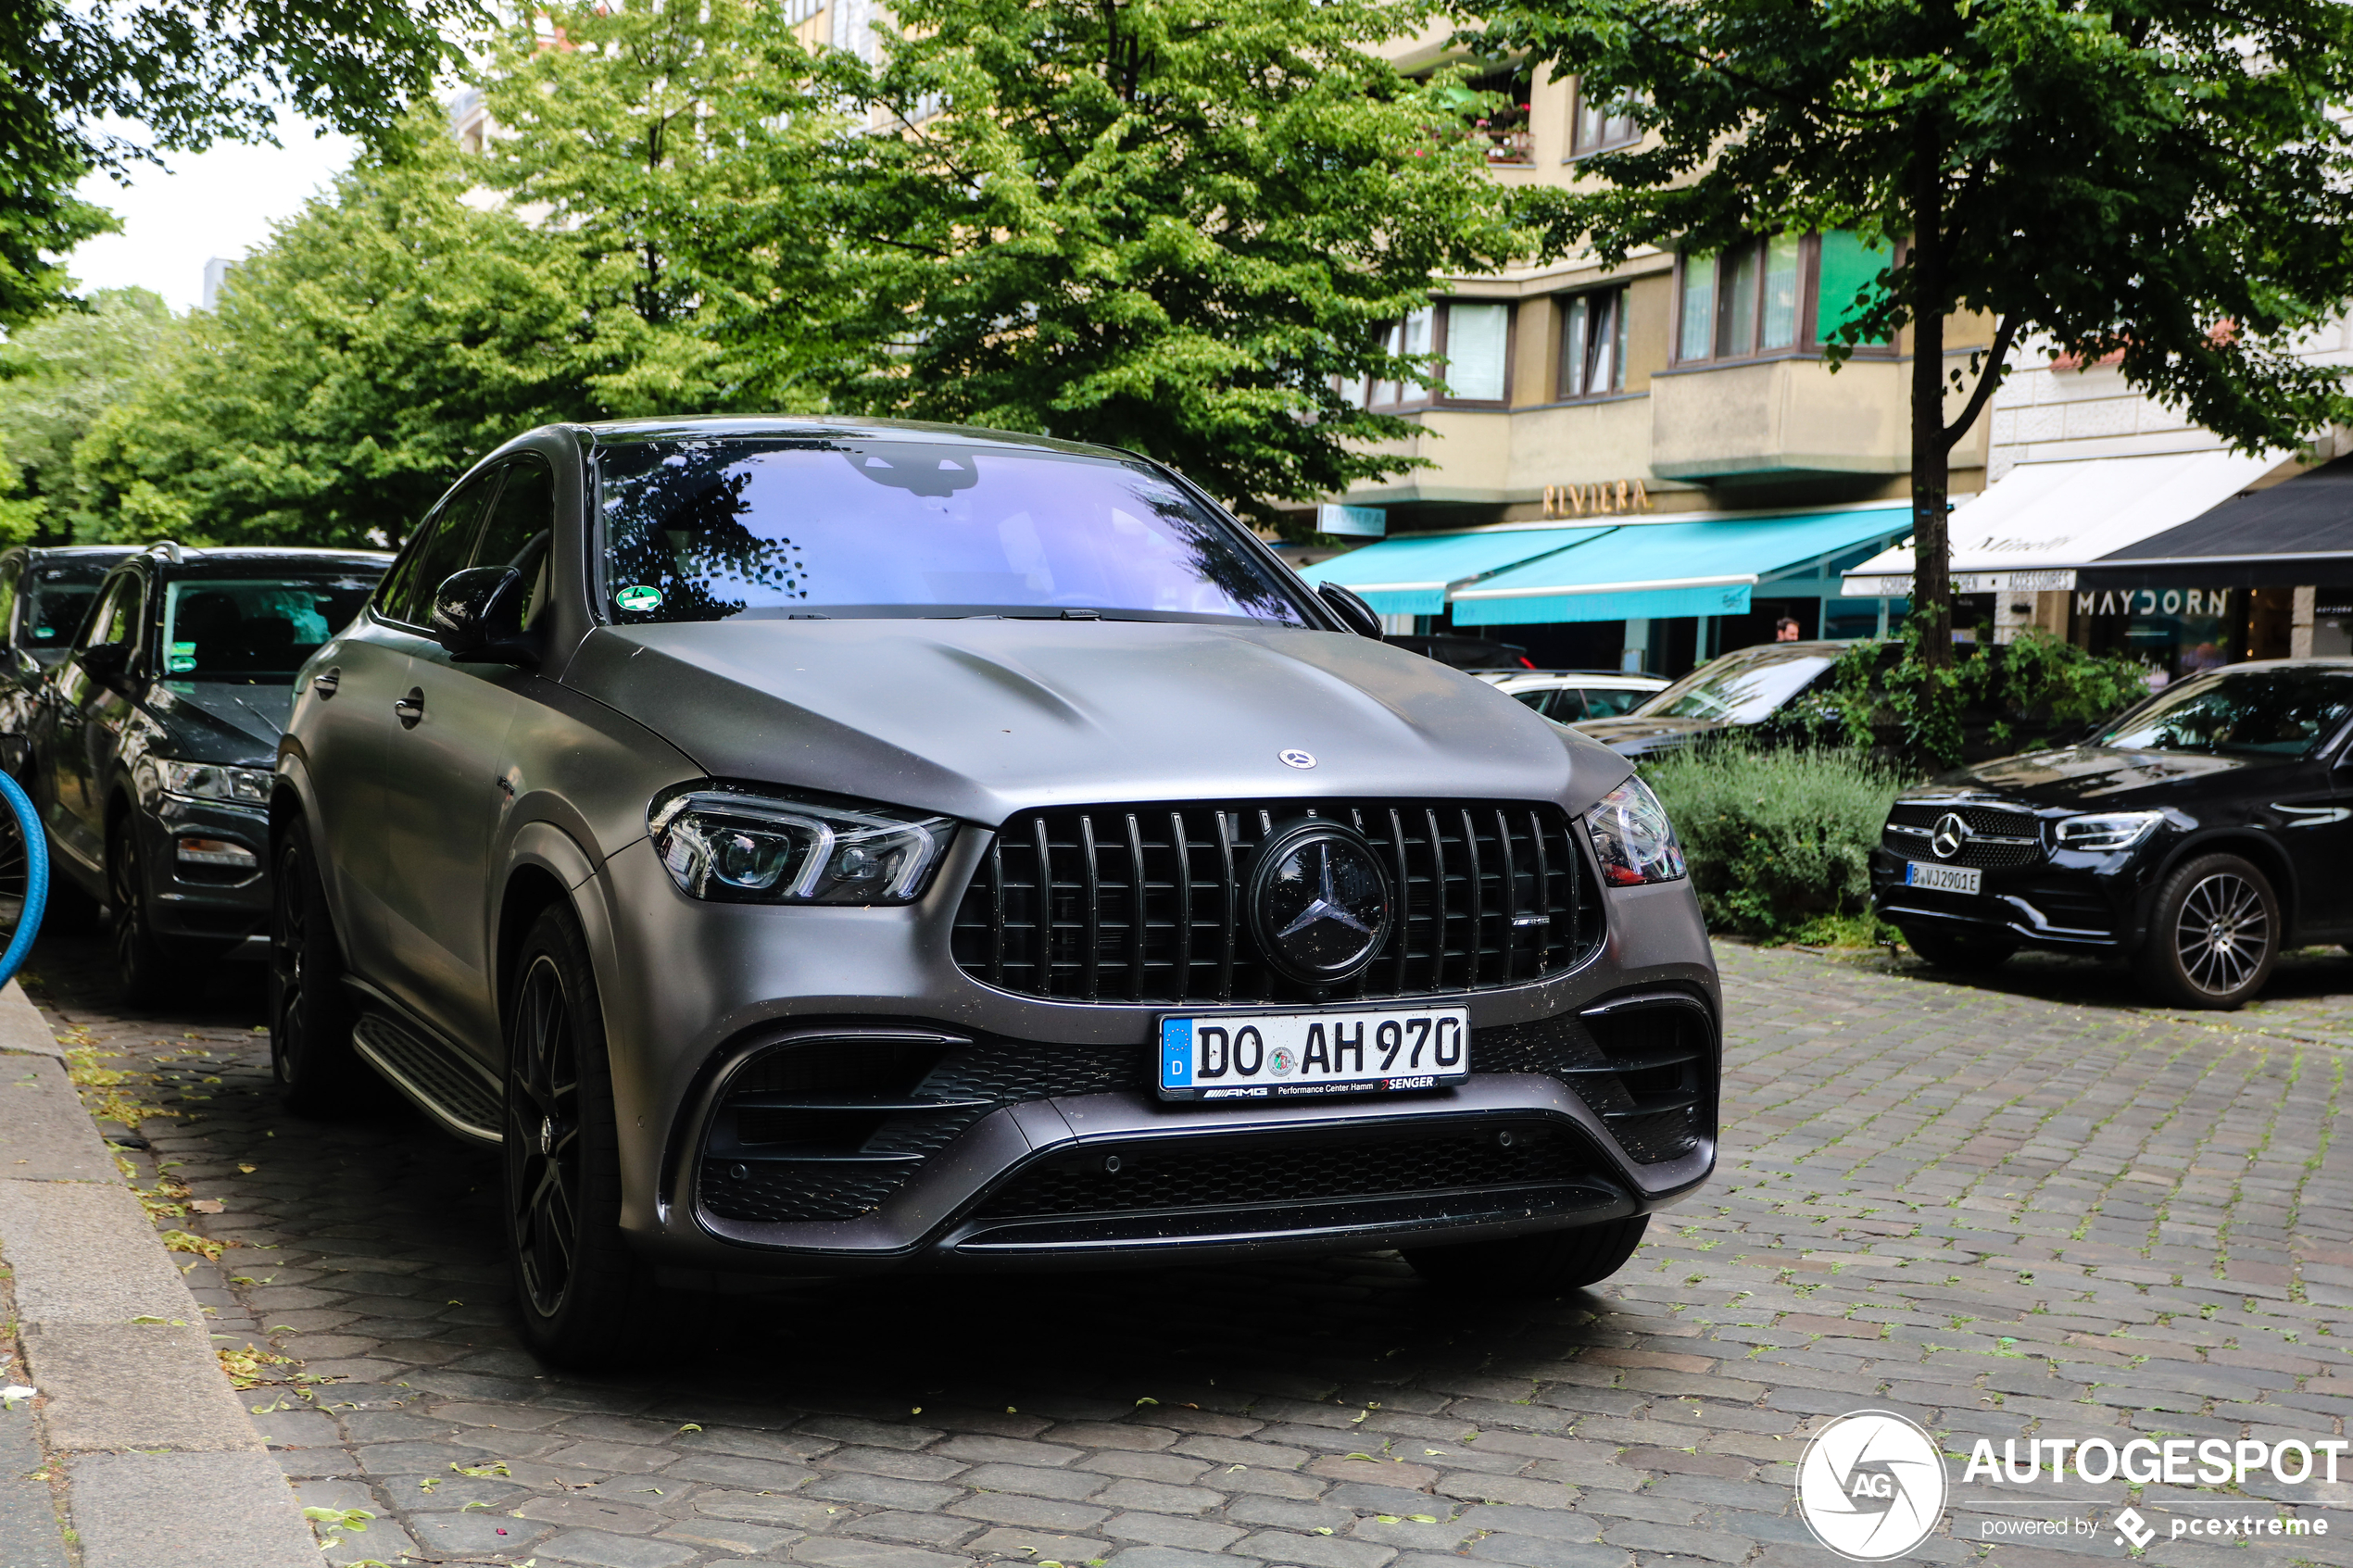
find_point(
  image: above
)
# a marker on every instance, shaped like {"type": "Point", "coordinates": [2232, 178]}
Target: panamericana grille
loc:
{"type": "Point", "coordinates": [1644, 1065]}
{"type": "Point", "coordinates": [1143, 903]}
{"type": "Point", "coordinates": [2000, 836]}
{"type": "Point", "coordinates": [1211, 1172]}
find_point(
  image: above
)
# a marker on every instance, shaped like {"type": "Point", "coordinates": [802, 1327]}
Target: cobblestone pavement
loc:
{"type": "Point", "coordinates": [2003, 1215]}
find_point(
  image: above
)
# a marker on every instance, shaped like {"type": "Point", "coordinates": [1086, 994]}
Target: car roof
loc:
{"type": "Point", "coordinates": [1580, 678]}
{"type": "Point", "coordinates": [820, 427]}
{"type": "Point", "coordinates": [204, 561]}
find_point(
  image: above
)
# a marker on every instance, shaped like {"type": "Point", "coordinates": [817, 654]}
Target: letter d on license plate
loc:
{"type": "Point", "coordinates": [1304, 1055]}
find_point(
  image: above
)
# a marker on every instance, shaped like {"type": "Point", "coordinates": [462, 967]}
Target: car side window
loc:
{"type": "Point", "coordinates": [11, 574]}
{"type": "Point", "coordinates": [115, 617]}
{"type": "Point", "coordinates": [442, 547]}
{"type": "Point", "coordinates": [1534, 699]}
{"type": "Point", "coordinates": [1568, 706]}
{"type": "Point", "coordinates": [1612, 702]}
{"type": "Point", "coordinates": [519, 529]}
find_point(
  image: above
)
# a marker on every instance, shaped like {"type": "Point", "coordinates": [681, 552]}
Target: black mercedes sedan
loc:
{"type": "Point", "coordinates": [2199, 835]}
{"type": "Point", "coordinates": [810, 847]}
{"type": "Point", "coordinates": [150, 752]}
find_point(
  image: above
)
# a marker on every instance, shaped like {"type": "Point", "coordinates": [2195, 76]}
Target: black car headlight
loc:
{"type": "Point", "coordinates": [1632, 838]}
{"type": "Point", "coordinates": [2111, 830]}
{"type": "Point", "coordinates": [747, 846]}
{"type": "Point", "coordinates": [201, 781]}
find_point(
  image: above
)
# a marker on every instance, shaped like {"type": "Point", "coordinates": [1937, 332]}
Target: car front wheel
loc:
{"type": "Point", "coordinates": [2214, 933]}
{"type": "Point", "coordinates": [581, 1291]}
{"type": "Point", "coordinates": [311, 1013]}
{"type": "Point", "coordinates": [152, 974]}
{"type": "Point", "coordinates": [1534, 1265]}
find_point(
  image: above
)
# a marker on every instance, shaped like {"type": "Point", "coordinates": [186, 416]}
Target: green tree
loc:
{"type": "Point", "coordinates": [58, 374]}
{"type": "Point", "coordinates": [108, 83]}
{"type": "Point", "coordinates": [2162, 178]}
{"type": "Point", "coordinates": [677, 150]}
{"type": "Point", "coordinates": [1174, 226]}
{"type": "Point", "coordinates": [384, 340]}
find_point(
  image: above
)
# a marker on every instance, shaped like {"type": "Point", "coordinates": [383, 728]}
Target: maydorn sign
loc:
{"type": "Point", "coordinates": [2153, 601]}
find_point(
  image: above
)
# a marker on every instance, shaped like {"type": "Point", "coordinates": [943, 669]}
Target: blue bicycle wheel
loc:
{"type": "Point", "coordinates": [24, 877]}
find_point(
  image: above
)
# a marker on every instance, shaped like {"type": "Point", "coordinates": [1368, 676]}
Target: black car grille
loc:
{"type": "Point", "coordinates": [1213, 1173]}
{"type": "Point", "coordinates": [1142, 903]}
{"type": "Point", "coordinates": [2001, 835]}
{"type": "Point", "coordinates": [1645, 1065]}
{"type": "Point", "coordinates": [827, 1127]}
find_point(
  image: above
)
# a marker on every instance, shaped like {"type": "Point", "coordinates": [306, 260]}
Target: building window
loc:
{"type": "Point", "coordinates": [1593, 344]}
{"type": "Point", "coordinates": [1478, 349]}
{"type": "Point", "coordinates": [1743, 301]}
{"type": "Point", "coordinates": [1597, 127]}
{"type": "Point", "coordinates": [1410, 337]}
{"type": "Point", "coordinates": [1503, 125]}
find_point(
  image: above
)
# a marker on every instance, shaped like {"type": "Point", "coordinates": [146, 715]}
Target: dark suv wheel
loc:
{"type": "Point", "coordinates": [2214, 933]}
{"type": "Point", "coordinates": [152, 974]}
{"type": "Point", "coordinates": [579, 1287]}
{"type": "Point", "coordinates": [311, 1013]}
{"type": "Point", "coordinates": [1534, 1265]}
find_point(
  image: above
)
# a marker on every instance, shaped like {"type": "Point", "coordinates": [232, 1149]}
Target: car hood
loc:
{"type": "Point", "coordinates": [217, 722]}
{"type": "Point", "coordinates": [1637, 737]}
{"type": "Point", "coordinates": [979, 719]}
{"type": "Point", "coordinates": [2095, 775]}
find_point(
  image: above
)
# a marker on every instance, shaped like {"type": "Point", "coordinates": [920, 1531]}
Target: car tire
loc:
{"type": "Point", "coordinates": [581, 1291]}
{"type": "Point", "coordinates": [1962, 953]}
{"type": "Point", "coordinates": [152, 974]}
{"type": "Point", "coordinates": [2213, 933]}
{"type": "Point", "coordinates": [1533, 1265]}
{"type": "Point", "coordinates": [311, 1056]}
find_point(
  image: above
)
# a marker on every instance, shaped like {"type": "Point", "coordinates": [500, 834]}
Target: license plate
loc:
{"type": "Point", "coordinates": [1306, 1055]}
{"type": "Point", "coordinates": [1943, 878]}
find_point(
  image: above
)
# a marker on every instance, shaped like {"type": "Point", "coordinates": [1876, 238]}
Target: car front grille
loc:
{"type": "Point", "coordinates": [1142, 903]}
{"type": "Point", "coordinates": [2000, 836]}
{"type": "Point", "coordinates": [1220, 1172]}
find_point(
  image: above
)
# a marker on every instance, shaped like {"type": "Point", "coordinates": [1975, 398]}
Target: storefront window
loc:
{"type": "Point", "coordinates": [2176, 632]}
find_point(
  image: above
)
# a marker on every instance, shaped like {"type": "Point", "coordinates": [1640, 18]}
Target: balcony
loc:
{"type": "Point", "coordinates": [1779, 417]}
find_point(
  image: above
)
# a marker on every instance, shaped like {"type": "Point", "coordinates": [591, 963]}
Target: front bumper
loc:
{"type": "Point", "coordinates": [222, 910]}
{"type": "Point", "coordinates": [2067, 901]}
{"type": "Point", "coordinates": [1013, 1173]}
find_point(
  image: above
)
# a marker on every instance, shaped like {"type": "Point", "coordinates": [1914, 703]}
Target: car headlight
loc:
{"type": "Point", "coordinates": [2115, 830]}
{"type": "Point", "coordinates": [1632, 837]}
{"type": "Point", "coordinates": [745, 847]}
{"type": "Point", "coordinates": [203, 780]}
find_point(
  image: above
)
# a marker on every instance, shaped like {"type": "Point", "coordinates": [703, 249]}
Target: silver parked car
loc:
{"type": "Point", "coordinates": [809, 848]}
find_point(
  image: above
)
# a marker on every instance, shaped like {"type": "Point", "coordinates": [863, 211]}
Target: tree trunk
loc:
{"type": "Point", "coordinates": [1931, 549]}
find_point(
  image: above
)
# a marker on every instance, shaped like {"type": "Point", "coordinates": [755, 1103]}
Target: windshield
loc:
{"type": "Point", "coordinates": [56, 598]}
{"type": "Point", "coordinates": [2268, 712]}
{"type": "Point", "coordinates": [708, 530]}
{"type": "Point", "coordinates": [256, 631]}
{"type": "Point", "coordinates": [1739, 689]}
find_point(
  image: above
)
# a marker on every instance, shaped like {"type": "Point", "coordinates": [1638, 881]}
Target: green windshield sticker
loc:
{"type": "Point", "coordinates": [638, 599]}
{"type": "Point", "coordinates": [184, 659]}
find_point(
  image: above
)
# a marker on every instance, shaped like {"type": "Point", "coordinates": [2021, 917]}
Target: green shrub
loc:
{"type": "Point", "coordinates": [1777, 839]}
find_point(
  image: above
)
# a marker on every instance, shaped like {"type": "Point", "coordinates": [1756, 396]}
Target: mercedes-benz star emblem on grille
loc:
{"type": "Point", "coordinates": [1950, 835]}
{"type": "Point", "coordinates": [1294, 757]}
{"type": "Point", "coordinates": [1318, 902]}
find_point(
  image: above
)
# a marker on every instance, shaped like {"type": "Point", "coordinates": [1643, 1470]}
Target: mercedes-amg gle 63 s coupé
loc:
{"type": "Point", "coordinates": [806, 848]}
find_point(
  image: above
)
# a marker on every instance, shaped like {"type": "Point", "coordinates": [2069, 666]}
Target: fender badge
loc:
{"type": "Point", "coordinates": [1296, 759]}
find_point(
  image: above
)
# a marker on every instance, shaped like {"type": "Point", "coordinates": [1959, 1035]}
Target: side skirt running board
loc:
{"type": "Point", "coordinates": [451, 1090]}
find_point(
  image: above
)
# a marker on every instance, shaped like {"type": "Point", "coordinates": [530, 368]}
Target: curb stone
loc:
{"type": "Point", "coordinates": [162, 1466]}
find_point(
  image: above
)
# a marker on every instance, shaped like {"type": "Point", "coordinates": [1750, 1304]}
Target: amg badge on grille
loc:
{"type": "Point", "coordinates": [1319, 901]}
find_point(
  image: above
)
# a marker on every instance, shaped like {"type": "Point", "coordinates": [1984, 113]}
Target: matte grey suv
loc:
{"type": "Point", "coordinates": [809, 848]}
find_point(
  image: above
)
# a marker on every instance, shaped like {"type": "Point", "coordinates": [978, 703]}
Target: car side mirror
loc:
{"type": "Point", "coordinates": [105, 663]}
{"type": "Point", "coordinates": [477, 616]}
{"type": "Point", "coordinates": [1353, 612]}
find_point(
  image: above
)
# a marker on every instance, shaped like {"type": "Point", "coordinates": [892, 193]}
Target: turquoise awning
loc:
{"type": "Point", "coordinates": [1657, 571]}
{"type": "Point", "coordinates": [1415, 573]}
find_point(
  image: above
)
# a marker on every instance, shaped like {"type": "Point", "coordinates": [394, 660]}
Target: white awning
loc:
{"type": "Point", "coordinates": [2033, 527]}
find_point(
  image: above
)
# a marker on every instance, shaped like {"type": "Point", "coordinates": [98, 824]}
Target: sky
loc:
{"type": "Point", "coordinates": [201, 205]}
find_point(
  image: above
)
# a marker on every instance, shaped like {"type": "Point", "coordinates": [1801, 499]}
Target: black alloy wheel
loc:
{"type": "Point", "coordinates": [1966, 953]}
{"type": "Point", "coordinates": [1544, 1264]}
{"type": "Point", "coordinates": [2214, 933]}
{"type": "Point", "coordinates": [311, 1013]}
{"type": "Point", "coordinates": [151, 973]}
{"type": "Point", "coordinates": [581, 1291]}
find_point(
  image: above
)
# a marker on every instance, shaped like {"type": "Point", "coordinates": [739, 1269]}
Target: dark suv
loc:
{"type": "Point", "coordinates": [2197, 836]}
{"type": "Point", "coordinates": [806, 848]}
{"type": "Point", "coordinates": [150, 751]}
{"type": "Point", "coordinates": [44, 593]}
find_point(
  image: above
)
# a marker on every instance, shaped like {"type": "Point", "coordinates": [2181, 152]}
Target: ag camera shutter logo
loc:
{"type": "Point", "coordinates": [1871, 1486]}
